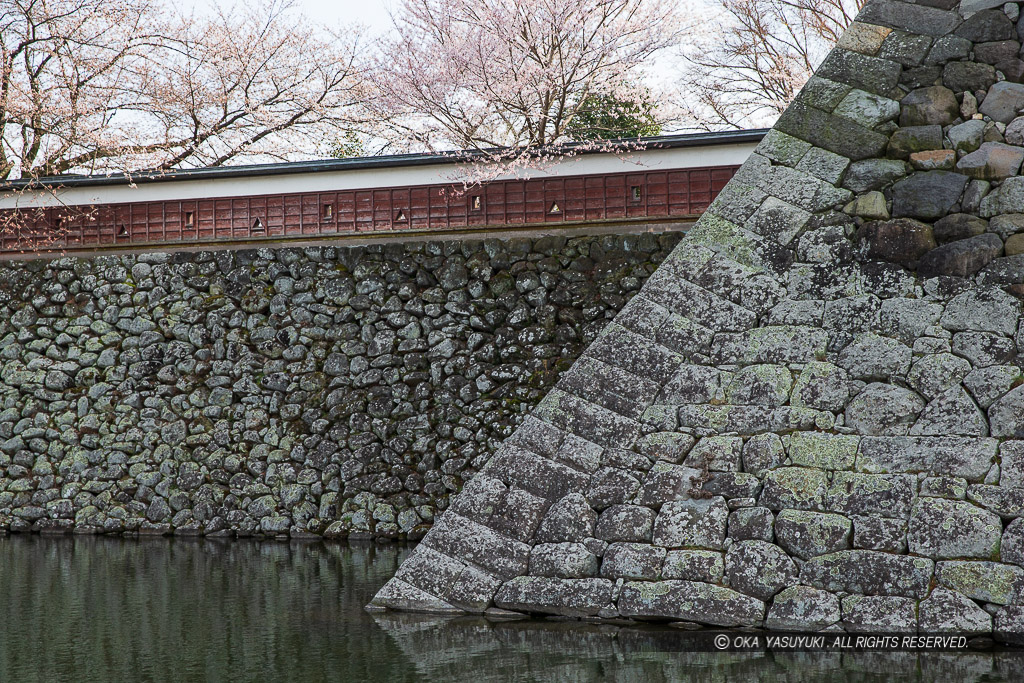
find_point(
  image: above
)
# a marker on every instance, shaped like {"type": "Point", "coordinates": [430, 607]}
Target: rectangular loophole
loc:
{"type": "Point", "coordinates": [634, 193]}
{"type": "Point", "coordinates": [477, 203]}
{"type": "Point", "coordinates": [190, 219]}
{"type": "Point", "coordinates": [327, 212]}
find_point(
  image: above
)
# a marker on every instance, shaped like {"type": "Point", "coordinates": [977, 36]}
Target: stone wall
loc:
{"type": "Point", "coordinates": [325, 390]}
{"type": "Point", "coordinates": [812, 415]}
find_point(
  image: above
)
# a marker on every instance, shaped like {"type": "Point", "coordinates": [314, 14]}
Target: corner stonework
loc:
{"type": "Point", "coordinates": [811, 416]}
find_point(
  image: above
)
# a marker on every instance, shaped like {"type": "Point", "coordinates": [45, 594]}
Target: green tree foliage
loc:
{"type": "Point", "coordinates": [605, 117]}
{"type": "Point", "coordinates": [349, 145]}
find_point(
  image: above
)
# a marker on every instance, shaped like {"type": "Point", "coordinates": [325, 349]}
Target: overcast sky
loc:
{"type": "Point", "coordinates": [371, 13]}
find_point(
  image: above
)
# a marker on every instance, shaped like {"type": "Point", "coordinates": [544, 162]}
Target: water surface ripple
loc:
{"type": "Point", "coordinates": [105, 609]}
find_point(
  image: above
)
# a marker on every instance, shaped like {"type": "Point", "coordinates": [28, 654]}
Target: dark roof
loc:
{"type": "Point", "coordinates": [391, 161]}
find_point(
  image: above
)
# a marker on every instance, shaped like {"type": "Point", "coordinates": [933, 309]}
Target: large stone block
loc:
{"type": "Point", "coordinates": [610, 387]}
{"type": "Point", "coordinates": [751, 524]}
{"type": "Point", "coordinates": [752, 419]}
{"type": "Point", "coordinates": [992, 161]}
{"type": "Point", "coordinates": [922, 19]}
{"type": "Point", "coordinates": [696, 303]}
{"type": "Point", "coordinates": [564, 597]}
{"type": "Point", "coordinates": [740, 245]}
{"type": "Point", "coordinates": [1008, 503]}
{"type": "Point", "coordinates": [883, 409]}
{"type": "Point", "coordinates": [1012, 545]}
{"type": "Point", "coordinates": [874, 357]}
{"type": "Point", "coordinates": [949, 529]}
{"type": "Point", "coordinates": [1011, 466]}
{"type": "Point", "coordinates": [799, 488]}
{"type": "Point", "coordinates": [777, 344]}
{"type": "Point", "coordinates": [666, 482]}
{"type": "Point", "coordinates": [874, 75]}
{"type": "Point", "coordinates": [630, 523]}
{"type": "Point", "coordinates": [952, 456]}
{"type": "Point", "coordinates": [692, 384]}
{"type": "Point", "coordinates": [875, 174]}
{"type": "Point", "coordinates": [569, 519]}
{"type": "Point", "coordinates": [699, 523]}
{"type": "Point", "coordinates": [592, 422]}
{"type": "Point", "coordinates": [961, 76]}
{"type": "Point", "coordinates": [870, 573]}
{"type": "Point", "coordinates": [1006, 415]}
{"type": "Point", "coordinates": [517, 514]}
{"type": "Point", "coordinates": [781, 148]}
{"type": "Point", "coordinates": [580, 454]}
{"type": "Point", "coordinates": [802, 608]}
{"type": "Point", "coordinates": [907, 319]}
{"type": "Point", "coordinates": [809, 534]}
{"type": "Point", "coordinates": [537, 437]}
{"type": "Point", "coordinates": [759, 568]}
{"type": "Point", "coordinates": [703, 603]}
{"type": "Point", "coordinates": [902, 240]}
{"type": "Point", "coordinates": [946, 611]}
{"type": "Point", "coordinates": [967, 136]}
{"type": "Point", "coordinates": [952, 412]}
{"type": "Point", "coordinates": [766, 385]}
{"type": "Point", "coordinates": [779, 220]}
{"type": "Point", "coordinates": [927, 195]}
{"type": "Point", "coordinates": [1008, 197]}
{"type": "Point", "coordinates": [1003, 101]}
{"type": "Point", "coordinates": [563, 560]}
{"type": "Point", "coordinates": [611, 486]}
{"type": "Point", "coordinates": [635, 353]}
{"type": "Point", "coordinates": [906, 141]}
{"type": "Point", "coordinates": [933, 374]}
{"type": "Point", "coordinates": [963, 258]}
{"type": "Point", "coordinates": [1002, 584]}
{"type": "Point", "coordinates": [930, 106]}
{"type": "Point", "coordinates": [397, 594]}
{"type": "Point", "coordinates": [987, 309]}
{"type": "Point", "coordinates": [987, 25]}
{"type": "Point", "coordinates": [715, 453]}
{"type": "Point", "coordinates": [834, 133]}
{"type": "Point", "coordinates": [763, 452]}
{"type": "Point", "coordinates": [884, 495]}
{"type": "Point", "coordinates": [867, 109]}
{"type": "Point", "coordinates": [430, 571]}
{"type": "Point", "coordinates": [732, 485]}
{"type": "Point", "coordinates": [791, 186]}
{"type": "Point", "coordinates": [463, 538]}
{"type": "Point", "coordinates": [823, 450]}
{"type": "Point", "coordinates": [706, 566]}
{"type": "Point", "coordinates": [880, 533]}
{"type": "Point", "coordinates": [634, 561]}
{"type": "Point", "coordinates": [879, 614]}
{"type": "Point", "coordinates": [822, 386]}
{"type": "Point", "coordinates": [474, 590]}
{"type": "Point", "coordinates": [536, 474]}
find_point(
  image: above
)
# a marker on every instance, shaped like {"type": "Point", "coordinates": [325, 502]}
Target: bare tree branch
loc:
{"type": "Point", "coordinates": [750, 57]}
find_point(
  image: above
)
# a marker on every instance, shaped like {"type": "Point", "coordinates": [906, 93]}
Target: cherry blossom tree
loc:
{"type": "Point", "coordinates": [747, 59]}
{"type": "Point", "coordinates": [124, 85]}
{"type": "Point", "coordinates": [507, 78]}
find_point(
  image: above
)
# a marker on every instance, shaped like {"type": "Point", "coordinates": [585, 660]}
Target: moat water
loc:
{"type": "Point", "coordinates": [104, 609]}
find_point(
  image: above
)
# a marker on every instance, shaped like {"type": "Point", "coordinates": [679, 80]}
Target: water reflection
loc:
{"type": "Point", "coordinates": [170, 610]}
{"type": "Point", "coordinates": [96, 609]}
{"type": "Point", "coordinates": [569, 651]}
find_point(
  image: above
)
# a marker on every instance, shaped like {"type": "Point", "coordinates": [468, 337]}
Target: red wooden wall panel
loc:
{"type": "Point", "coordinates": [575, 199]}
